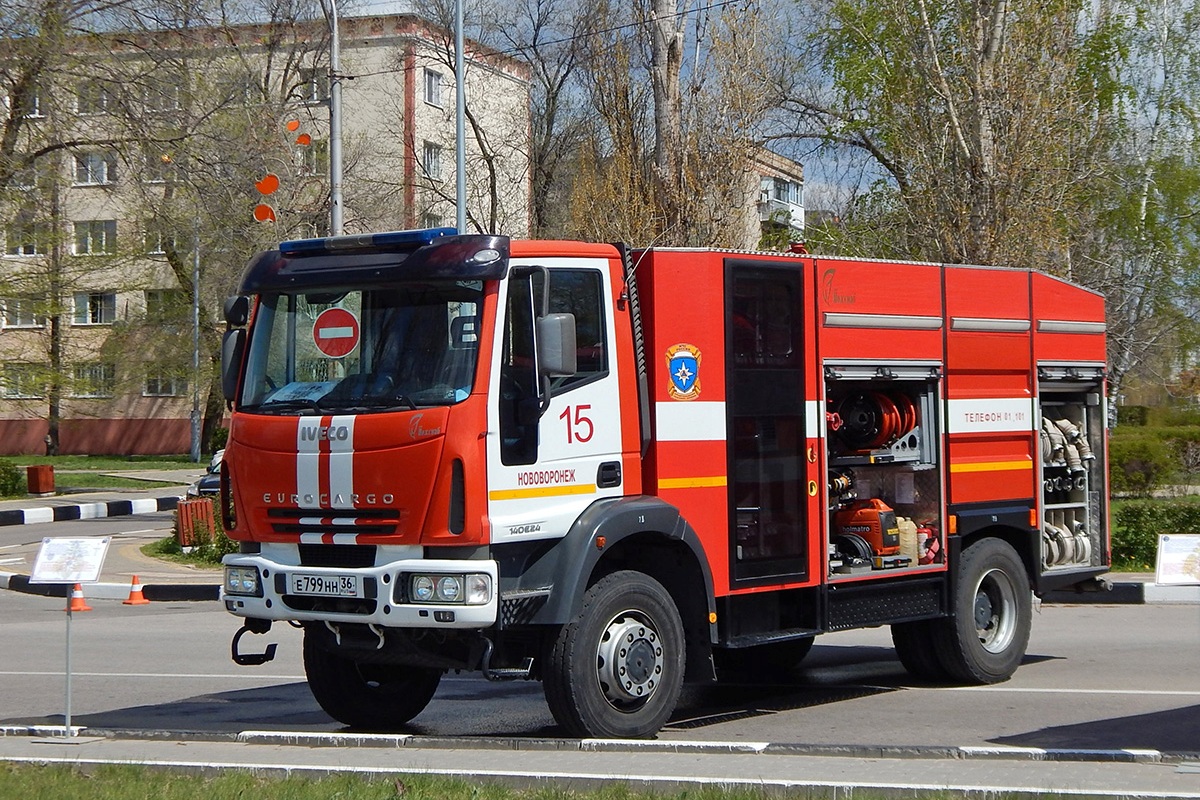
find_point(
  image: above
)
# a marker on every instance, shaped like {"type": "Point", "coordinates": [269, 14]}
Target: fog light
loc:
{"type": "Point", "coordinates": [422, 588]}
{"type": "Point", "coordinates": [472, 589]}
{"type": "Point", "coordinates": [449, 589]}
{"type": "Point", "coordinates": [242, 581]}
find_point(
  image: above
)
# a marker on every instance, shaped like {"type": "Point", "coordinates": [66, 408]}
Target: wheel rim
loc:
{"type": "Point", "coordinates": [629, 660]}
{"type": "Point", "coordinates": [995, 611]}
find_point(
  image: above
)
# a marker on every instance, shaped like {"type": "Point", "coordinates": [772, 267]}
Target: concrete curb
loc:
{"type": "Point", "coordinates": [109, 508]}
{"type": "Point", "coordinates": [154, 592]}
{"type": "Point", "coordinates": [312, 739]}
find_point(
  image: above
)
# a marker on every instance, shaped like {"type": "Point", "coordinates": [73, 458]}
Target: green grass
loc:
{"type": "Point", "coordinates": [169, 550]}
{"type": "Point", "coordinates": [94, 480]}
{"type": "Point", "coordinates": [32, 782]}
{"type": "Point", "coordinates": [109, 463]}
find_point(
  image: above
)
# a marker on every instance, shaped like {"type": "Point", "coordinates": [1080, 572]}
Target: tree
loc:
{"type": "Point", "coordinates": [673, 165]}
{"type": "Point", "coordinates": [1144, 254]}
{"type": "Point", "coordinates": [189, 134]}
{"type": "Point", "coordinates": [970, 110]}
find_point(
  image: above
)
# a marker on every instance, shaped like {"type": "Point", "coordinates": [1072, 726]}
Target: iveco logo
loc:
{"type": "Point", "coordinates": [831, 294]}
{"type": "Point", "coordinates": [417, 431]}
{"type": "Point", "coordinates": [532, 528]}
{"type": "Point", "coordinates": [331, 433]}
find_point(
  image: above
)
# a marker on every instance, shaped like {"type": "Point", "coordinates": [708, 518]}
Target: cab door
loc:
{"type": "Point", "coordinates": [554, 444]}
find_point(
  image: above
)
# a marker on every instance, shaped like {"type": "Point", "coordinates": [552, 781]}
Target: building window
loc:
{"type": "Point", "coordinates": [433, 87]}
{"type": "Point", "coordinates": [94, 379]}
{"type": "Point", "coordinates": [431, 220]}
{"type": "Point", "coordinates": [431, 160]}
{"type": "Point", "coordinates": [314, 159]}
{"type": "Point", "coordinates": [93, 97]}
{"type": "Point", "coordinates": [96, 237]}
{"type": "Point", "coordinates": [95, 308]}
{"type": "Point", "coordinates": [162, 96]}
{"type": "Point", "coordinates": [30, 175]}
{"type": "Point", "coordinates": [19, 313]}
{"type": "Point", "coordinates": [23, 380]}
{"type": "Point", "coordinates": [159, 167]}
{"type": "Point", "coordinates": [790, 192]}
{"type": "Point", "coordinates": [156, 239]}
{"type": "Point", "coordinates": [96, 168]}
{"type": "Point", "coordinates": [27, 239]}
{"type": "Point", "coordinates": [29, 106]}
{"type": "Point", "coordinates": [160, 383]}
{"type": "Point", "coordinates": [314, 86]}
{"type": "Point", "coordinates": [166, 305]}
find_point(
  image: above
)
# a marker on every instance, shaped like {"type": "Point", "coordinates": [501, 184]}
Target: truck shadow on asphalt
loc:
{"type": "Point", "coordinates": [1175, 731]}
{"type": "Point", "coordinates": [466, 705]}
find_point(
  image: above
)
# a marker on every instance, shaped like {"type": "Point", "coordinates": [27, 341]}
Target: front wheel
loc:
{"type": "Point", "coordinates": [985, 640]}
{"type": "Point", "coordinates": [374, 697]}
{"type": "Point", "coordinates": [616, 670]}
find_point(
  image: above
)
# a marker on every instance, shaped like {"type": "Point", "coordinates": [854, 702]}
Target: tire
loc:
{"type": "Point", "coordinates": [616, 670]}
{"type": "Point", "coordinates": [985, 640]}
{"type": "Point", "coordinates": [373, 697]}
{"type": "Point", "coordinates": [762, 661]}
{"type": "Point", "coordinates": [917, 650]}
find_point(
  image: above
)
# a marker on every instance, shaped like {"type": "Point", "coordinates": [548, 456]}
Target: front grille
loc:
{"type": "Point", "coordinates": [337, 555]}
{"type": "Point", "coordinates": [341, 605]}
{"type": "Point", "coordinates": [373, 521]}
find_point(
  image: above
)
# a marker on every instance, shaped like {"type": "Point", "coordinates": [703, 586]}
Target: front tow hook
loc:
{"type": "Point", "coordinates": [251, 659]}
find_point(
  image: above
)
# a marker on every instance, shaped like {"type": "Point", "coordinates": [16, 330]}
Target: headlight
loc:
{"type": "Point", "coordinates": [472, 589]}
{"type": "Point", "coordinates": [422, 588]}
{"type": "Point", "coordinates": [449, 589]}
{"type": "Point", "coordinates": [242, 580]}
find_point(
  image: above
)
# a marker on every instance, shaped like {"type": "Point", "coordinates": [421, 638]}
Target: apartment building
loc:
{"type": "Point", "coordinates": [175, 139]}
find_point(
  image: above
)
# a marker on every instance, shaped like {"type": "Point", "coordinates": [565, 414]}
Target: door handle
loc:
{"type": "Point", "coordinates": [609, 475]}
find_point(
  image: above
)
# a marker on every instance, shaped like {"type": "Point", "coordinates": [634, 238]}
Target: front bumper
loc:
{"type": "Point", "coordinates": [382, 601]}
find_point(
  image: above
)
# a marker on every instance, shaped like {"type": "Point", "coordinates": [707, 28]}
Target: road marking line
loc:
{"type": "Point", "coordinates": [172, 676]}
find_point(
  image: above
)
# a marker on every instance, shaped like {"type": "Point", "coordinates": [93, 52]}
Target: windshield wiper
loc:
{"type": "Point", "coordinates": [380, 404]}
{"type": "Point", "coordinates": [286, 405]}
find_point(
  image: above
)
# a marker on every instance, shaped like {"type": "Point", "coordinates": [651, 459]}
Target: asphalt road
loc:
{"type": "Point", "coordinates": [1097, 677]}
{"type": "Point", "coordinates": [1105, 705]}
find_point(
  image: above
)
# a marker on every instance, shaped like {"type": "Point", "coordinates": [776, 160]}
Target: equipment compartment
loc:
{"type": "Point", "coordinates": [1070, 435]}
{"type": "Point", "coordinates": [884, 487]}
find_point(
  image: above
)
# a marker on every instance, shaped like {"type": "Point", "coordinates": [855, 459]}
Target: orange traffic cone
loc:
{"type": "Point", "coordinates": [77, 601]}
{"type": "Point", "coordinates": [136, 598]}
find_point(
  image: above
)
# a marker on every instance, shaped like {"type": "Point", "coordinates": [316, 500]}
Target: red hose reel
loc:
{"type": "Point", "coordinates": [872, 420]}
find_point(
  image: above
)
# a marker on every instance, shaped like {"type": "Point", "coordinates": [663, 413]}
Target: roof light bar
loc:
{"type": "Point", "coordinates": [392, 241]}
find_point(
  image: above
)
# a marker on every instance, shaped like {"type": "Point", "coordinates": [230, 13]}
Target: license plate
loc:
{"type": "Point", "coordinates": [325, 585]}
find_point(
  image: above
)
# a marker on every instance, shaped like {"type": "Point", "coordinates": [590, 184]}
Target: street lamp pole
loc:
{"type": "Point", "coordinates": [460, 107]}
{"type": "Point", "coordinates": [195, 416]}
{"type": "Point", "coordinates": [335, 122]}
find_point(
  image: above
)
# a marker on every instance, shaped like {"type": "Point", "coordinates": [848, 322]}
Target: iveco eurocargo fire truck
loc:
{"type": "Point", "coordinates": [617, 470]}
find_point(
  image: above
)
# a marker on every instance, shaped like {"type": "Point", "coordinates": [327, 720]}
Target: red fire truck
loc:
{"type": "Point", "coordinates": [618, 470]}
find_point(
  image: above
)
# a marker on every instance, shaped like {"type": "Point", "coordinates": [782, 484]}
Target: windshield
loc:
{"type": "Point", "coordinates": [363, 350]}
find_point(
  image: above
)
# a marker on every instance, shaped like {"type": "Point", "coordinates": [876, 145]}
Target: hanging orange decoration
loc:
{"type": "Point", "coordinates": [293, 125]}
{"type": "Point", "coordinates": [268, 184]}
{"type": "Point", "coordinates": [264, 213]}
{"type": "Point", "coordinates": [304, 140]}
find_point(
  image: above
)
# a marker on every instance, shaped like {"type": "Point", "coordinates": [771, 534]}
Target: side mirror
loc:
{"type": "Point", "coordinates": [237, 310]}
{"type": "Point", "coordinates": [233, 345]}
{"type": "Point", "coordinates": [556, 345]}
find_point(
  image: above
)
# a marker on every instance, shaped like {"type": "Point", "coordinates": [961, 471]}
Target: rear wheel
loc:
{"type": "Point", "coordinates": [616, 670]}
{"type": "Point", "coordinates": [376, 697]}
{"type": "Point", "coordinates": [986, 638]}
{"type": "Point", "coordinates": [916, 649]}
